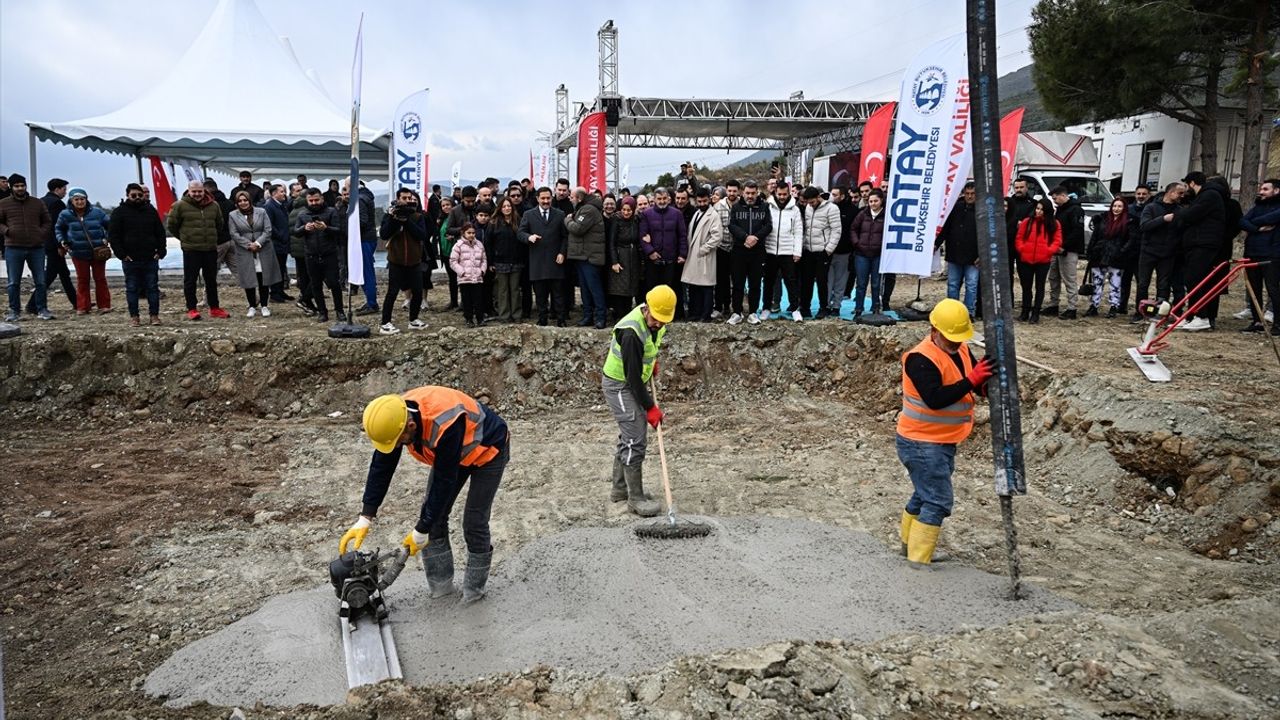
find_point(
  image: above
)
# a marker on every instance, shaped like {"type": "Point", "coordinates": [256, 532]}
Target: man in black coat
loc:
{"type": "Point", "coordinates": [1159, 245]}
{"type": "Point", "coordinates": [1018, 207]}
{"type": "Point", "coordinates": [55, 265]}
{"type": "Point", "coordinates": [279, 216]}
{"type": "Point", "coordinates": [137, 237]}
{"type": "Point", "coordinates": [323, 242]}
{"type": "Point", "coordinates": [543, 230]}
{"type": "Point", "coordinates": [959, 239]}
{"type": "Point", "coordinates": [1203, 224]}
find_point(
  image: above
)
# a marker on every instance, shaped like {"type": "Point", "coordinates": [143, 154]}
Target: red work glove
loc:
{"type": "Point", "coordinates": [981, 373]}
{"type": "Point", "coordinates": [654, 416]}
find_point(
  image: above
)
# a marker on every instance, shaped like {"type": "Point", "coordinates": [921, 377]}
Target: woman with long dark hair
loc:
{"type": "Point", "coordinates": [1039, 238]}
{"type": "Point", "coordinates": [502, 246]}
{"type": "Point", "coordinates": [1110, 233]}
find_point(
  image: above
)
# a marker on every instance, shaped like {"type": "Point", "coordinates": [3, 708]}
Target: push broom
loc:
{"type": "Point", "coordinates": [671, 528]}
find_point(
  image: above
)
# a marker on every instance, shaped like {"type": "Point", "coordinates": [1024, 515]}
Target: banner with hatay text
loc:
{"type": "Point", "coordinates": [591, 149]}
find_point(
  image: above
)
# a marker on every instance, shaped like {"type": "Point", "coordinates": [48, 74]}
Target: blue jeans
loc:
{"type": "Point", "coordinates": [967, 274]}
{"type": "Point", "coordinates": [592, 287]}
{"type": "Point", "coordinates": [930, 466]}
{"type": "Point", "coordinates": [14, 259]}
{"type": "Point", "coordinates": [864, 269]}
{"type": "Point", "coordinates": [142, 276]}
{"type": "Point", "coordinates": [370, 275]}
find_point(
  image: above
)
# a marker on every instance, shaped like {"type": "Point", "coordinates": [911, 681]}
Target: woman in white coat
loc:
{"type": "Point", "coordinates": [256, 265]}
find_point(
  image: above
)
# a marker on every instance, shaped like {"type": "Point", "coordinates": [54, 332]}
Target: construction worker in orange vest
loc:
{"type": "Point", "coordinates": [939, 382]}
{"type": "Point", "coordinates": [461, 440]}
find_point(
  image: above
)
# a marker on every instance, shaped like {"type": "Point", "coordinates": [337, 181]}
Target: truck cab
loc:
{"type": "Point", "coordinates": [1050, 158]}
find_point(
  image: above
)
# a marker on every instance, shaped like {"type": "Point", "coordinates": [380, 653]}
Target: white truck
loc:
{"type": "Point", "coordinates": [1052, 158]}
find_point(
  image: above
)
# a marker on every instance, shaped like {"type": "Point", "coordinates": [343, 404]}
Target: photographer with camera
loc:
{"type": "Point", "coordinates": [404, 227]}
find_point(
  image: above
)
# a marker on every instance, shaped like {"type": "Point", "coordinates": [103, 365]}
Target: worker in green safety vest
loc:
{"type": "Point", "coordinates": [632, 360]}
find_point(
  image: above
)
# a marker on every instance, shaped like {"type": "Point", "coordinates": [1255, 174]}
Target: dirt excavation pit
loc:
{"type": "Point", "coordinates": [603, 600]}
{"type": "Point", "coordinates": [206, 471]}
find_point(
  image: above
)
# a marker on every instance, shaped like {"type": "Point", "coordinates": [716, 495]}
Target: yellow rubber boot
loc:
{"type": "Point", "coordinates": [904, 531]}
{"type": "Point", "coordinates": [924, 538]}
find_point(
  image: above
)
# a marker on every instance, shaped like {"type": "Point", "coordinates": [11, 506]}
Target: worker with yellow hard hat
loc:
{"type": "Point", "coordinates": [632, 361]}
{"type": "Point", "coordinates": [939, 383]}
{"type": "Point", "coordinates": [462, 440]}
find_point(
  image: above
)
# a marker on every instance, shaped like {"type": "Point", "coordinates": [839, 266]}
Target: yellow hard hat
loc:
{"type": "Point", "coordinates": [951, 318]}
{"type": "Point", "coordinates": [661, 301]}
{"type": "Point", "coordinates": [384, 420]}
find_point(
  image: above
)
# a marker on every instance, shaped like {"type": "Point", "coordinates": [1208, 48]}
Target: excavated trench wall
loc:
{"type": "Point", "coordinates": [1118, 439]}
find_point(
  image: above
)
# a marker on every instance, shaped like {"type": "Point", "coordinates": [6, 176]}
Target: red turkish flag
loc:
{"type": "Point", "coordinates": [162, 192]}
{"type": "Point", "coordinates": [875, 143]}
{"type": "Point", "coordinates": [591, 149]}
{"type": "Point", "coordinates": [1010, 127]}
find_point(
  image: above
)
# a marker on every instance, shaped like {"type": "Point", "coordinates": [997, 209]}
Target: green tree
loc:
{"type": "Point", "coordinates": [1101, 59]}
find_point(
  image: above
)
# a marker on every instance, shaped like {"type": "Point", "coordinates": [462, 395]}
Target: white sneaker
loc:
{"type": "Point", "coordinates": [1269, 316]}
{"type": "Point", "coordinates": [1195, 325]}
{"type": "Point", "coordinates": [753, 319]}
{"type": "Point", "coordinates": [417, 325]}
{"type": "Point", "coordinates": [764, 315]}
{"type": "Point", "coordinates": [388, 329]}
{"type": "Point", "coordinates": [1244, 314]}
{"type": "Point", "coordinates": [795, 315]}
{"type": "Point", "coordinates": [266, 311]}
{"type": "Point", "coordinates": [735, 319]}
{"type": "Point", "coordinates": [715, 315]}
{"type": "Point", "coordinates": [253, 312]}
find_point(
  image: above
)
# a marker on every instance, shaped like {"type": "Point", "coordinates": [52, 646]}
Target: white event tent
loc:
{"type": "Point", "coordinates": [228, 122]}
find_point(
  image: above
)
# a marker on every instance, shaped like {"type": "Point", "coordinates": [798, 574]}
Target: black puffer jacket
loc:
{"type": "Point", "coordinates": [1202, 222]}
{"type": "Point", "coordinates": [502, 244]}
{"type": "Point", "coordinates": [135, 232]}
{"type": "Point", "coordinates": [960, 235]}
{"type": "Point", "coordinates": [1107, 249]}
{"type": "Point", "coordinates": [1160, 239]}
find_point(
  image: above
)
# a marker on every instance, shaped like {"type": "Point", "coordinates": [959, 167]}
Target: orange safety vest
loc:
{"type": "Point", "coordinates": [948, 425]}
{"type": "Point", "coordinates": [439, 407]}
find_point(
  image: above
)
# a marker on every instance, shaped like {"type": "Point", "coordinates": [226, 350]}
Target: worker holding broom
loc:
{"type": "Point", "coordinates": [462, 440]}
{"type": "Point", "coordinates": [632, 361]}
{"type": "Point", "coordinates": [939, 382]}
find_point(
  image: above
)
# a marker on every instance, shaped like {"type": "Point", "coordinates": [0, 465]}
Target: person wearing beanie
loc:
{"type": "Point", "coordinates": [82, 230]}
{"type": "Point", "coordinates": [24, 223]}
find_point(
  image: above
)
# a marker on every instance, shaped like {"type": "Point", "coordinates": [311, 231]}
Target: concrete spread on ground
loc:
{"type": "Point", "coordinates": [604, 600]}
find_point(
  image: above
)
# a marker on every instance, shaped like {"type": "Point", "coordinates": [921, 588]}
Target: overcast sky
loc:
{"type": "Point", "coordinates": [492, 68]}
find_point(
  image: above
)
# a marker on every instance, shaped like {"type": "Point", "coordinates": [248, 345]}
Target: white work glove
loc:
{"type": "Point", "coordinates": [355, 536]}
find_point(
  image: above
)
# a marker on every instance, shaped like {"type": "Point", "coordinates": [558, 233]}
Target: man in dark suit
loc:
{"type": "Point", "coordinates": [543, 230]}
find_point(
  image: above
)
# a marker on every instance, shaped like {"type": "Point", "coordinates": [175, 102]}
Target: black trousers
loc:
{"type": "Point", "coordinates": [814, 267]}
{"type": "Point", "coordinates": [277, 290]}
{"type": "Point", "coordinates": [1126, 284]}
{"type": "Point", "coordinates": [453, 286]}
{"type": "Point", "coordinates": [784, 267]}
{"type": "Point", "coordinates": [549, 297]}
{"type": "Point", "coordinates": [473, 301]}
{"type": "Point", "coordinates": [724, 280]}
{"type": "Point", "coordinates": [1163, 268]}
{"type": "Point", "coordinates": [1272, 280]}
{"type": "Point", "coordinates": [484, 482]}
{"type": "Point", "coordinates": [887, 283]}
{"type": "Point", "coordinates": [666, 273]}
{"type": "Point", "coordinates": [526, 293]}
{"type": "Point", "coordinates": [304, 280]}
{"type": "Point", "coordinates": [700, 301]}
{"type": "Point", "coordinates": [747, 270]}
{"type": "Point", "coordinates": [323, 270]}
{"type": "Point", "coordinates": [1032, 275]}
{"type": "Point", "coordinates": [55, 266]}
{"type": "Point", "coordinates": [196, 264]}
{"type": "Point", "coordinates": [403, 277]}
{"type": "Point", "coordinates": [1199, 264]}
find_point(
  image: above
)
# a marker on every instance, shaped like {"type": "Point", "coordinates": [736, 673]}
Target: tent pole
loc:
{"type": "Point", "coordinates": [138, 157]}
{"type": "Point", "coordinates": [31, 152]}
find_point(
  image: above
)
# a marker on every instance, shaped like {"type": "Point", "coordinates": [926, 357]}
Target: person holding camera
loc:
{"type": "Point", "coordinates": [404, 228]}
{"type": "Point", "coordinates": [320, 228]}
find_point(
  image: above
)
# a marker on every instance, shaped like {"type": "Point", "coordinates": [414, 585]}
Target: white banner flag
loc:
{"type": "Point", "coordinates": [921, 156]}
{"type": "Point", "coordinates": [409, 146]}
{"type": "Point", "coordinates": [455, 176]}
{"type": "Point", "coordinates": [542, 170]}
{"type": "Point", "coordinates": [355, 252]}
{"type": "Point", "coordinates": [959, 151]}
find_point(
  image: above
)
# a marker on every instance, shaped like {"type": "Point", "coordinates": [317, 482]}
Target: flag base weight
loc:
{"type": "Point", "coordinates": [349, 331]}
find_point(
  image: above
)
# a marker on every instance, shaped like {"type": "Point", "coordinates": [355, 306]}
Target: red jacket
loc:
{"type": "Point", "coordinates": [1032, 245]}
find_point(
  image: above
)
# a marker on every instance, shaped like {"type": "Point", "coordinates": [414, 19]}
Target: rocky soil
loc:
{"type": "Point", "coordinates": [162, 483]}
